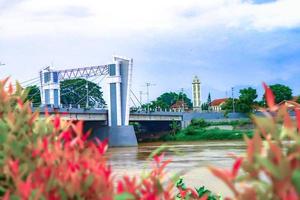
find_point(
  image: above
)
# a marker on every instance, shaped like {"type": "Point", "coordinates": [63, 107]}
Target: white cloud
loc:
{"type": "Point", "coordinates": [119, 17]}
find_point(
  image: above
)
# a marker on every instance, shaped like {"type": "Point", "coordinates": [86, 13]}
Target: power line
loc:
{"type": "Point", "coordinates": [136, 97]}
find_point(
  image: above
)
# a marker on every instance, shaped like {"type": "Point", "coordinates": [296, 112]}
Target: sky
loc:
{"type": "Point", "coordinates": [226, 43]}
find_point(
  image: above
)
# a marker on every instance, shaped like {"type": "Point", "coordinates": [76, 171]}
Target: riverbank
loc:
{"type": "Point", "coordinates": [200, 129]}
{"type": "Point", "coordinates": [190, 134]}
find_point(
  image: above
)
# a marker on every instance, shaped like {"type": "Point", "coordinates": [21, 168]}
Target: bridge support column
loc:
{"type": "Point", "coordinates": [50, 91]}
{"type": "Point", "coordinates": [119, 131]}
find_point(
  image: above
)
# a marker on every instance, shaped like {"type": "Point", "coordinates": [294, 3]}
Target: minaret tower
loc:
{"type": "Point", "coordinates": [196, 94]}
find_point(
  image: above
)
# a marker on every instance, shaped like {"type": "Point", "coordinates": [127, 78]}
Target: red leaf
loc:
{"type": "Point", "coordinates": [20, 103]}
{"type": "Point", "coordinates": [120, 188]}
{"type": "Point", "coordinates": [14, 166]}
{"type": "Point", "coordinates": [236, 167]}
{"type": "Point", "coordinates": [56, 122]}
{"type": "Point", "coordinates": [86, 136]}
{"type": "Point", "coordinates": [225, 176]}
{"type": "Point", "coordinates": [5, 81]}
{"type": "Point", "coordinates": [6, 196]}
{"type": "Point", "coordinates": [159, 158]}
{"type": "Point", "coordinates": [25, 188]}
{"type": "Point", "coordinates": [269, 97]}
{"type": "Point", "coordinates": [102, 146]}
{"type": "Point", "coordinates": [10, 89]}
{"type": "Point", "coordinates": [45, 144]}
{"type": "Point", "coordinates": [66, 136]}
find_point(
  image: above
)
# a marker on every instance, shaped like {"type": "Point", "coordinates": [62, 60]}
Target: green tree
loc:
{"type": "Point", "coordinates": [246, 100]}
{"type": "Point", "coordinates": [74, 92]}
{"type": "Point", "coordinates": [209, 102]}
{"type": "Point", "coordinates": [209, 99]}
{"type": "Point", "coordinates": [228, 105]}
{"type": "Point", "coordinates": [204, 106]}
{"type": "Point", "coordinates": [281, 92]}
{"type": "Point", "coordinates": [188, 101]}
{"type": "Point", "coordinates": [298, 99]}
{"type": "Point", "coordinates": [166, 100]}
{"type": "Point", "coordinates": [175, 127]}
{"type": "Point", "coordinates": [34, 95]}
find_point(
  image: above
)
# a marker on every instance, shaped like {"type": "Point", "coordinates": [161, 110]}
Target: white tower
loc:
{"type": "Point", "coordinates": [196, 94]}
{"type": "Point", "coordinates": [50, 91]}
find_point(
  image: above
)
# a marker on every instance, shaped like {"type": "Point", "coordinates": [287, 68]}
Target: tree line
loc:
{"type": "Point", "coordinates": [247, 100]}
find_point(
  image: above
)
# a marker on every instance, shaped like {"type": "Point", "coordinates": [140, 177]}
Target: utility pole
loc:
{"type": "Point", "coordinates": [148, 93]}
{"type": "Point", "coordinates": [141, 97]}
{"type": "Point", "coordinates": [87, 94]}
{"type": "Point", "coordinates": [182, 99]}
{"type": "Point", "coordinates": [232, 94]}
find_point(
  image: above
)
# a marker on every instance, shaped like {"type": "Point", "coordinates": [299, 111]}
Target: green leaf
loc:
{"type": "Point", "coordinates": [2, 191]}
{"type": "Point", "coordinates": [270, 167]}
{"type": "Point", "coordinates": [89, 181]}
{"type": "Point", "coordinates": [157, 151]}
{"type": "Point", "coordinates": [124, 196]}
{"type": "Point", "coordinates": [296, 180]}
{"type": "Point", "coordinates": [3, 132]}
{"type": "Point", "coordinates": [14, 197]}
{"type": "Point", "coordinates": [63, 194]}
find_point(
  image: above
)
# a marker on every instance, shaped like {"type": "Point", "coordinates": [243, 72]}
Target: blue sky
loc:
{"type": "Point", "coordinates": [227, 43]}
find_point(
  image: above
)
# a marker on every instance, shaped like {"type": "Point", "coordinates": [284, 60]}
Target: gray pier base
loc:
{"type": "Point", "coordinates": [119, 136]}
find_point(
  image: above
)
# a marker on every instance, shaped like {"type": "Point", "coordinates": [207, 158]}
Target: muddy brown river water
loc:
{"type": "Point", "coordinates": [191, 157]}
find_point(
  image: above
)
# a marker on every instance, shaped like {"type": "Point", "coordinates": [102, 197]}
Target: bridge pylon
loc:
{"type": "Point", "coordinates": [119, 73]}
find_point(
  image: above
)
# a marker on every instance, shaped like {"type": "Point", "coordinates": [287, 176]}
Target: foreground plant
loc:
{"type": "Point", "coordinates": [53, 159]}
{"type": "Point", "coordinates": [201, 192]}
{"type": "Point", "coordinates": [271, 166]}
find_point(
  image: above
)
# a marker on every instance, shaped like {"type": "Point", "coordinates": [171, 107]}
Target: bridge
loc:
{"type": "Point", "coordinates": [112, 122]}
{"type": "Point", "coordinates": [102, 115]}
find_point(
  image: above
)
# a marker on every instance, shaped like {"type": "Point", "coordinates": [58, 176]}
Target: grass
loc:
{"type": "Point", "coordinates": [193, 134]}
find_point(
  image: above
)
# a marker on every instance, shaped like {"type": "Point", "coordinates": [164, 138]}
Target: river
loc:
{"type": "Point", "coordinates": [190, 157]}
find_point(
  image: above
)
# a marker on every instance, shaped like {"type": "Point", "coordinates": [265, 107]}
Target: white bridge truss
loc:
{"type": "Point", "coordinates": [85, 72]}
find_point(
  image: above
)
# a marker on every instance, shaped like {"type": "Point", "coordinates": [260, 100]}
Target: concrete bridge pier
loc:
{"type": "Point", "coordinates": [118, 131]}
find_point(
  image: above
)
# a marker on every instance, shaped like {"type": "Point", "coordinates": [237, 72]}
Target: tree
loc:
{"type": "Point", "coordinates": [75, 92]}
{"type": "Point", "coordinates": [175, 127]}
{"type": "Point", "coordinates": [34, 95]}
{"type": "Point", "coordinates": [209, 102]}
{"type": "Point", "coordinates": [281, 93]}
{"type": "Point", "coordinates": [298, 99]}
{"type": "Point", "coordinates": [188, 101]}
{"type": "Point", "coordinates": [209, 99]}
{"type": "Point", "coordinates": [204, 106]}
{"type": "Point", "coordinates": [228, 105]}
{"type": "Point", "coordinates": [167, 99]}
{"type": "Point", "coordinates": [72, 92]}
{"type": "Point", "coordinates": [246, 100]}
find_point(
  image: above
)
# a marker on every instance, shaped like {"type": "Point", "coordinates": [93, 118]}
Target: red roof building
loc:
{"type": "Point", "coordinates": [180, 106]}
{"type": "Point", "coordinates": [216, 105]}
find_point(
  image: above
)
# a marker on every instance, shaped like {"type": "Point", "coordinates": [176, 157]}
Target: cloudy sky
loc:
{"type": "Point", "coordinates": [227, 43]}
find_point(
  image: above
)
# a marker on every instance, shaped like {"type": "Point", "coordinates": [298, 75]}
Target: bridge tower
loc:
{"type": "Point", "coordinates": [119, 78]}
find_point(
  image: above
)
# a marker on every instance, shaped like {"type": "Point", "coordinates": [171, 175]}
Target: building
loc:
{"type": "Point", "coordinates": [196, 94]}
{"type": "Point", "coordinates": [180, 106]}
{"type": "Point", "coordinates": [216, 105]}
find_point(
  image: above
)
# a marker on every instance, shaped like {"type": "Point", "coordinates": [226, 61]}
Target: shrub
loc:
{"type": "Point", "coordinates": [199, 123]}
{"type": "Point", "coordinates": [271, 166]}
{"type": "Point", "coordinates": [52, 159]}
